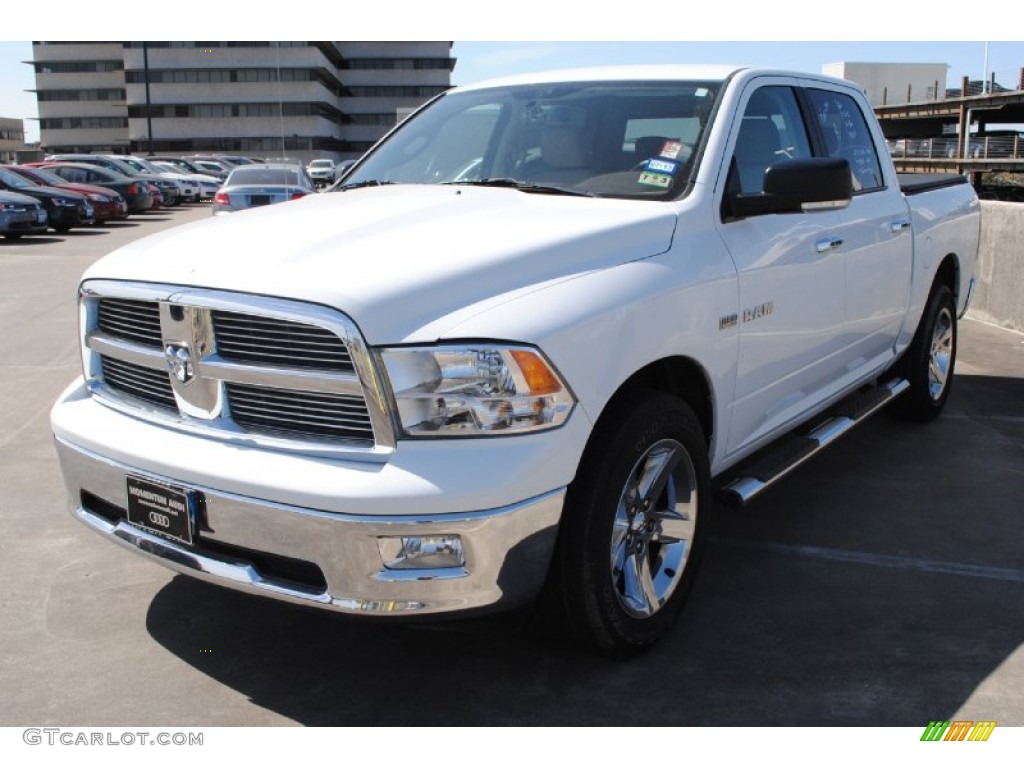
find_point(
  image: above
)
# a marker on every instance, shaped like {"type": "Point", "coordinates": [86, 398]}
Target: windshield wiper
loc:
{"type": "Point", "coordinates": [523, 186]}
{"type": "Point", "coordinates": [361, 184]}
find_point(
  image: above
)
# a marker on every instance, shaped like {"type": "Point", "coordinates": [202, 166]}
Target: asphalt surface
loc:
{"type": "Point", "coordinates": [880, 584]}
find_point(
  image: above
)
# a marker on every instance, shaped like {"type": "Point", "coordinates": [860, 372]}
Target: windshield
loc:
{"type": "Point", "coordinates": [321, 164]}
{"type": "Point", "coordinates": [50, 179]}
{"type": "Point", "coordinates": [142, 166]}
{"type": "Point", "coordinates": [620, 139]}
{"type": "Point", "coordinates": [12, 179]}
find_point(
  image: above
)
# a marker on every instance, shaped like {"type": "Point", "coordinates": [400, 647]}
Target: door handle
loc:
{"type": "Point", "coordinates": [828, 244]}
{"type": "Point", "coordinates": [898, 226]}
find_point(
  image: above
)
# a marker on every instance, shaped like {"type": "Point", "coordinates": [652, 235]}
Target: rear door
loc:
{"type": "Point", "coordinates": [876, 231]}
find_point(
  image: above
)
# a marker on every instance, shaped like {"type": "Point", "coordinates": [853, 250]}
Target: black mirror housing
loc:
{"type": "Point", "coordinates": [792, 186]}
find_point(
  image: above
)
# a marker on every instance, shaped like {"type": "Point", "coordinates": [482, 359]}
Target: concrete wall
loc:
{"type": "Point", "coordinates": [999, 296]}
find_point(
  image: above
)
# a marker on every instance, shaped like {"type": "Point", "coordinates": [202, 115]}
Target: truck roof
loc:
{"type": "Point", "coordinates": [647, 72]}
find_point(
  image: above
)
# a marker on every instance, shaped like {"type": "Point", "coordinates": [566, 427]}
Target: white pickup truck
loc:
{"type": "Point", "coordinates": [517, 347]}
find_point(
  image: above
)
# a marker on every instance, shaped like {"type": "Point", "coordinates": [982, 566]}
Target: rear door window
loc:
{"type": "Point", "coordinates": [847, 135]}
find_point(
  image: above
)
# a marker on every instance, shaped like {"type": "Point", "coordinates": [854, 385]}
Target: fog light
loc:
{"type": "Point", "coordinates": [407, 552]}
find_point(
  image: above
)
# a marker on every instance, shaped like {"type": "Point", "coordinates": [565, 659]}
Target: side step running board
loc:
{"type": "Point", "coordinates": [792, 451]}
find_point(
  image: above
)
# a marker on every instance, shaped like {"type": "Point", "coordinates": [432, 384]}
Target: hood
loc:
{"type": "Point", "coordinates": [49, 193]}
{"type": "Point", "coordinates": [398, 258]}
{"type": "Point", "coordinates": [17, 198]}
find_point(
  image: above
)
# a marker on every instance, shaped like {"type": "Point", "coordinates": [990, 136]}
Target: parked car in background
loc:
{"type": "Point", "coordinates": [188, 188]}
{"type": "Point", "coordinates": [186, 166]}
{"type": "Point", "coordinates": [64, 209]}
{"type": "Point", "coordinates": [158, 198]}
{"type": "Point", "coordinates": [213, 167]}
{"type": "Point", "coordinates": [168, 188]}
{"type": "Point", "coordinates": [238, 160]}
{"type": "Point", "coordinates": [321, 172]}
{"type": "Point", "coordinates": [107, 204]}
{"type": "Point", "coordinates": [208, 185]}
{"type": "Point", "coordinates": [251, 186]}
{"type": "Point", "coordinates": [135, 192]}
{"type": "Point", "coordinates": [20, 215]}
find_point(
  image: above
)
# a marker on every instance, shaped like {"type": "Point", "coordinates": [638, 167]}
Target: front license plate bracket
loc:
{"type": "Point", "coordinates": [167, 510]}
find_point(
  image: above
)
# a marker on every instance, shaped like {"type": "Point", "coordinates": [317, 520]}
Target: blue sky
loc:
{"type": "Point", "coordinates": [480, 60]}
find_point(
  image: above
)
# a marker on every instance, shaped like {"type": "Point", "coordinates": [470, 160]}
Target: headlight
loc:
{"type": "Point", "coordinates": [476, 389]}
{"type": "Point", "coordinates": [65, 201]}
{"type": "Point", "coordinates": [99, 198]}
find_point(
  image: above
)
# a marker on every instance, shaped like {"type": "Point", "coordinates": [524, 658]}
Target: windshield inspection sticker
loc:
{"type": "Point", "coordinates": [655, 179]}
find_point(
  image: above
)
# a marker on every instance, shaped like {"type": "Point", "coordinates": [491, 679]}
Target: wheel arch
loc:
{"type": "Point", "coordinates": [948, 274]}
{"type": "Point", "coordinates": [680, 376]}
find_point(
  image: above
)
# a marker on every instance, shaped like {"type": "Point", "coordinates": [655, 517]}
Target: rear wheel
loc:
{"type": "Point", "coordinates": [633, 526]}
{"type": "Point", "coordinates": [928, 363]}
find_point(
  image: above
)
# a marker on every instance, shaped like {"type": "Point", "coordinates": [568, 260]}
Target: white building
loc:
{"type": "Point", "coordinates": [297, 99]}
{"type": "Point", "coordinates": [893, 83]}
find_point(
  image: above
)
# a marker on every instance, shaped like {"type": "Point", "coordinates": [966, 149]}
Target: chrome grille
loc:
{"type": "Point", "coordinates": [296, 412]}
{"type": "Point", "coordinates": [272, 341]}
{"type": "Point", "coordinates": [285, 375]}
{"type": "Point", "coordinates": [132, 320]}
{"type": "Point", "coordinates": [147, 384]}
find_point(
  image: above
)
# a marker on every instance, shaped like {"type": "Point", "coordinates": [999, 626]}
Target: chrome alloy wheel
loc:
{"type": "Point", "coordinates": [941, 354]}
{"type": "Point", "coordinates": [653, 529]}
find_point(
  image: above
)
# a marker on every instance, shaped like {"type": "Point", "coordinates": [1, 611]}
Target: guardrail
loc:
{"type": "Point", "coordinates": [948, 147]}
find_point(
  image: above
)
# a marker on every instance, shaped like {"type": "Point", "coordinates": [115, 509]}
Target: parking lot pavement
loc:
{"type": "Point", "coordinates": [879, 584]}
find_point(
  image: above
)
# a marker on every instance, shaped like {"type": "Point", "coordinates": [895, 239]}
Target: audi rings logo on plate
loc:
{"type": "Point", "coordinates": [179, 362]}
{"type": "Point", "coordinates": [158, 519]}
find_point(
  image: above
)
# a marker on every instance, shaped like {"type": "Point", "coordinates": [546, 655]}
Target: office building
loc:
{"type": "Point", "coordinates": [270, 99]}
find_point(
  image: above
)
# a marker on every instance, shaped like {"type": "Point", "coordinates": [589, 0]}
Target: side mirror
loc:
{"type": "Point", "coordinates": [793, 186]}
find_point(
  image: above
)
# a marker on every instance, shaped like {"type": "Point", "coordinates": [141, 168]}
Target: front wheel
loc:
{"type": "Point", "coordinates": [929, 361]}
{"type": "Point", "coordinates": [633, 526]}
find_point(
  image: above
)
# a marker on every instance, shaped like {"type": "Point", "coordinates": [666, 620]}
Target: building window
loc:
{"type": "Point", "coordinates": [404, 91]}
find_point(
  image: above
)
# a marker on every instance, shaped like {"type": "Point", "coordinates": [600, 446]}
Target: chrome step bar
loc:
{"type": "Point", "coordinates": [793, 451]}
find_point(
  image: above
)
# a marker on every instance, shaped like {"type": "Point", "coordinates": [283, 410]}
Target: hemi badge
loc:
{"type": "Point", "coordinates": [729, 321]}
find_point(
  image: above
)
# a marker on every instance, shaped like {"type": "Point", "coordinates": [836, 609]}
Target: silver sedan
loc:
{"type": "Point", "coordinates": [250, 186]}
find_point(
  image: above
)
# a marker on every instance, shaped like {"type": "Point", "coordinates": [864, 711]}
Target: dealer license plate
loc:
{"type": "Point", "coordinates": [164, 509]}
{"type": "Point", "coordinates": [259, 199]}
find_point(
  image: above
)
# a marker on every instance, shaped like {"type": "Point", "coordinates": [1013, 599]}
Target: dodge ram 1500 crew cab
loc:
{"type": "Point", "coordinates": [510, 351]}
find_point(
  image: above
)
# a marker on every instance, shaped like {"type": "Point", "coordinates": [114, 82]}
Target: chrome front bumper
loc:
{"type": "Point", "coordinates": [326, 559]}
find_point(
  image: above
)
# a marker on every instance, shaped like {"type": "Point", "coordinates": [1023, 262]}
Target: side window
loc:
{"type": "Point", "coordinates": [772, 129]}
{"type": "Point", "coordinates": [847, 135]}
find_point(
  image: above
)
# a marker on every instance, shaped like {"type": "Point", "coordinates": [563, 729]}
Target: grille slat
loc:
{"type": "Point", "coordinates": [281, 410]}
{"type": "Point", "coordinates": [132, 320]}
{"type": "Point", "coordinates": [274, 341]}
{"type": "Point", "coordinates": [147, 384]}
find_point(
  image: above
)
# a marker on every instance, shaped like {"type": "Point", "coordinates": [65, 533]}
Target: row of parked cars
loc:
{"type": "Point", "coordinates": [73, 190]}
{"type": "Point", "coordinates": [70, 190]}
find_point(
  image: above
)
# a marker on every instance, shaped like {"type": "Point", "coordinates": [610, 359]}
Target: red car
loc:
{"type": "Point", "coordinates": [107, 203]}
{"type": "Point", "coordinates": [158, 198]}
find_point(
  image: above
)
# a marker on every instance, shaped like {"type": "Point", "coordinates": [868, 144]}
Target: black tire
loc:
{"type": "Point", "coordinates": [14, 235]}
{"type": "Point", "coordinates": [929, 361]}
{"type": "Point", "coordinates": [62, 228]}
{"type": "Point", "coordinates": [626, 559]}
